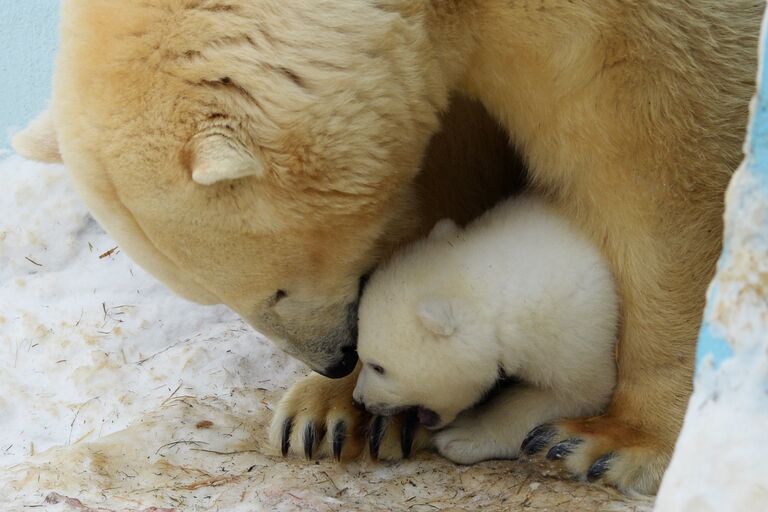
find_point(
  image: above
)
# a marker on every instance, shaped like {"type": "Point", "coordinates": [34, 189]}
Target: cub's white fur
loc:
{"type": "Point", "coordinates": [519, 293]}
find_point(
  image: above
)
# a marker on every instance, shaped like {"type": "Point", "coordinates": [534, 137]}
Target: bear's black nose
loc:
{"type": "Point", "coordinates": [345, 365]}
{"type": "Point", "coordinates": [427, 417]}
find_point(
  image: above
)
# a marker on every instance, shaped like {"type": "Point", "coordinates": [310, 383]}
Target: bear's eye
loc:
{"type": "Point", "coordinates": [279, 295]}
{"type": "Point", "coordinates": [375, 367]}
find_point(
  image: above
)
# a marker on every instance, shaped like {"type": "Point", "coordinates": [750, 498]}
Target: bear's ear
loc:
{"type": "Point", "coordinates": [218, 158]}
{"type": "Point", "coordinates": [38, 141]}
{"type": "Point", "coordinates": [437, 316]}
{"type": "Point", "coordinates": [445, 228]}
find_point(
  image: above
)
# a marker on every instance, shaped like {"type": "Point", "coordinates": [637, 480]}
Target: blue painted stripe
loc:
{"type": "Point", "coordinates": [757, 138]}
{"type": "Point", "coordinates": [711, 344]}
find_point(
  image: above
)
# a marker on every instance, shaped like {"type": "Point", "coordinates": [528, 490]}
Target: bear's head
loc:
{"type": "Point", "coordinates": [256, 154]}
{"type": "Point", "coordinates": [424, 341]}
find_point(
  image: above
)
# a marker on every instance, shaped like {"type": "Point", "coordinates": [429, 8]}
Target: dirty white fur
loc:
{"type": "Point", "coordinates": [519, 292]}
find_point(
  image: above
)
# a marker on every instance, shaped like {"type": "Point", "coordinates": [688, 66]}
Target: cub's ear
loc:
{"type": "Point", "coordinates": [38, 141]}
{"type": "Point", "coordinates": [216, 158]}
{"type": "Point", "coordinates": [437, 316]}
{"type": "Point", "coordinates": [445, 228]}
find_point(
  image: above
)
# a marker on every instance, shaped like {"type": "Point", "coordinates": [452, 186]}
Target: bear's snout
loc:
{"type": "Point", "coordinates": [345, 365]}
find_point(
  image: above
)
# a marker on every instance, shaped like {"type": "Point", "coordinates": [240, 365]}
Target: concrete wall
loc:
{"type": "Point", "coordinates": [28, 40]}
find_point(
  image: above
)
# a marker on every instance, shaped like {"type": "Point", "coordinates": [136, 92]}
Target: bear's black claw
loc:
{"type": "Point", "coordinates": [287, 428]}
{"type": "Point", "coordinates": [339, 434]}
{"type": "Point", "coordinates": [378, 428]}
{"type": "Point", "coordinates": [600, 466]}
{"type": "Point", "coordinates": [563, 448]}
{"type": "Point", "coordinates": [408, 432]}
{"type": "Point", "coordinates": [310, 435]}
{"type": "Point", "coordinates": [537, 439]}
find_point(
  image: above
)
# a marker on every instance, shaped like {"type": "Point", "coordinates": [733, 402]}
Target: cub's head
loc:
{"type": "Point", "coordinates": [256, 154]}
{"type": "Point", "coordinates": [423, 340]}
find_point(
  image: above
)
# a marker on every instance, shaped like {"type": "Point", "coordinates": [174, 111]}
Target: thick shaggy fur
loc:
{"type": "Point", "coordinates": [629, 114]}
{"type": "Point", "coordinates": [519, 292]}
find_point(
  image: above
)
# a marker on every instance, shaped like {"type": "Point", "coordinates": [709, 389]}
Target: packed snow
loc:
{"type": "Point", "coordinates": [88, 340]}
{"type": "Point", "coordinates": [117, 395]}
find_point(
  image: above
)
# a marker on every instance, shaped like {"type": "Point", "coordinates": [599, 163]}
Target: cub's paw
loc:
{"type": "Point", "coordinates": [467, 441]}
{"type": "Point", "coordinates": [604, 448]}
{"type": "Point", "coordinates": [318, 418]}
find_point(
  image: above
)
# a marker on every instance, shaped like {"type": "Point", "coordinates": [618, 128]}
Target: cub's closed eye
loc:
{"type": "Point", "coordinates": [279, 295]}
{"type": "Point", "coordinates": [375, 367]}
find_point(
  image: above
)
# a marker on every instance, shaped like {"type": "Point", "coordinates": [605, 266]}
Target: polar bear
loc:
{"type": "Point", "coordinates": [265, 154]}
{"type": "Point", "coordinates": [520, 293]}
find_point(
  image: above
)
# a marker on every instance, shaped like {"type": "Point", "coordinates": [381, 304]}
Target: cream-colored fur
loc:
{"type": "Point", "coordinates": [38, 141]}
{"type": "Point", "coordinates": [630, 116]}
{"type": "Point", "coordinates": [518, 293]}
{"type": "Point", "coordinates": [153, 127]}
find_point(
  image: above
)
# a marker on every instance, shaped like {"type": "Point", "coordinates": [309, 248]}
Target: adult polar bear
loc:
{"type": "Point", "coordinates": [261, 153]}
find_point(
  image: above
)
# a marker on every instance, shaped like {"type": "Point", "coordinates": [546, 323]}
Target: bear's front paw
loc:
{"type": "Point", "coordinates": [467, 441]}
{"type": "Point", "coordinates": [396, 437]}
{"type": "Point", "coordinates": [604, 448]}
{"type": "Point", "coordinates": [318, 418]}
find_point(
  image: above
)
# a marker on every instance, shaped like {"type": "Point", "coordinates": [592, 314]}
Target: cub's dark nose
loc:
{"type": "Point", "coordinates": [345, 366]}
{"type": "Point", "coordinates": [427, 417]}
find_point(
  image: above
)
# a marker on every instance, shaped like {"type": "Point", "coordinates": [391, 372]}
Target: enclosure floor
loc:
{"type": "Point", "coordinates": [200, 455]}
{"type": "Point", "coordinates": [115, 395]}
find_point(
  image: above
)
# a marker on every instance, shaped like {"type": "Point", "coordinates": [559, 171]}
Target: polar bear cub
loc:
{"type": "Point", "coordinates": [519, 293]}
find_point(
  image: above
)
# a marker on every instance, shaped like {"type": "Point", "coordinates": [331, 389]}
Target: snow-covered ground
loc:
{"type": "Point", "coordinates": [117, 395]}
{"type": "Point", "coordinates": [88, 340]}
